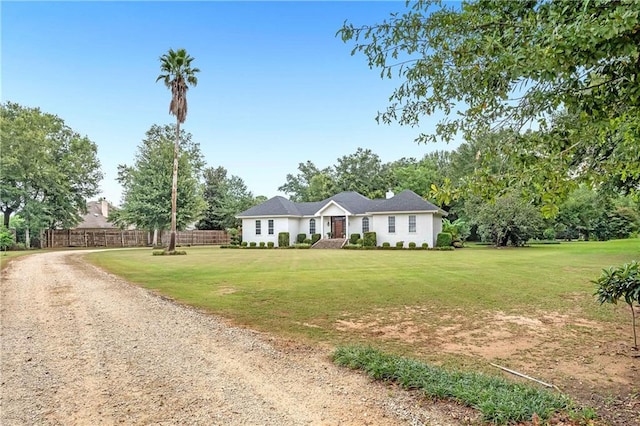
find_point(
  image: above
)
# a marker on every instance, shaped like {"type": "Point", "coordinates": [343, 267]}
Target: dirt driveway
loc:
{"type": "Point", "coordinates": [80, 346]}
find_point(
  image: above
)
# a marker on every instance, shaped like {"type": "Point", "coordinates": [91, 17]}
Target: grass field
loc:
{"type": "Point", "coordinates": [529, 308]}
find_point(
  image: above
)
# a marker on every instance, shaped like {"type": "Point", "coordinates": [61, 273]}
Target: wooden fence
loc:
{"type": "Point", "coordinates": [127, 238]}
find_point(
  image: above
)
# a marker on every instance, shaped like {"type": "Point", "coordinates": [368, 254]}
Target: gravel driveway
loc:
{"type": "Point", "coordinates": [80, 346]}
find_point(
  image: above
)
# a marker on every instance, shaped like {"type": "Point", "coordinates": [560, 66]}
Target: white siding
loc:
{"type": "Point", "coordinates": [280, 224]}
{"type": "Point", "coordinates": [424, 229]}
{"type": "Point", "coordinates": [333, 210]}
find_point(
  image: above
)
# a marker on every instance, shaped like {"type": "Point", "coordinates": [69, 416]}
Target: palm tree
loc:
{"type": "Point", "coordinates": [177, 75]}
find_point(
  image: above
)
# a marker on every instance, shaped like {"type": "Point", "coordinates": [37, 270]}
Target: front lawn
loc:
{"type": "Point", "coordinates": [531, 309]}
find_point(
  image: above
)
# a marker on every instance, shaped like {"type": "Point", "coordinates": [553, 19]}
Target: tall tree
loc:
{"type": "Point", "coordinates": [513, 64]}
{"type": "Point", "coordinates": [177, 75]}
{"type": "Point", "coordinates": [363, 172]}
{"type": "Point", "coordinates": [226, 196]}
{"type": "Point", "coordinates": [47, 171]}
{"type": "Point", "coordinates": [300, 187]}
{"type": "Point", "coordinates": [147, 184]}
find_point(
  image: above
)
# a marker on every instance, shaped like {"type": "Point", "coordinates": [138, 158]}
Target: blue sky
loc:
{"type": "Point", "coordinates": [276, 86]}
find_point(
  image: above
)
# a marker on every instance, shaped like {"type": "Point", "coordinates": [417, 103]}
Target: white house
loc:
{"type": "Point", "coordinates": [404, 217]}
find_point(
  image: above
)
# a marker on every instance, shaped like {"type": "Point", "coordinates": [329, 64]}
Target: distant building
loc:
{"type": "Point", "coordinates": [97, 216]}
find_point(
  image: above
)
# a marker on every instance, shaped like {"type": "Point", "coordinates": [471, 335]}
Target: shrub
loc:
{"type": "Point", "coordinates": [400, 244]}
{"type": "Point", "coordinates": [252, 244]}
{"type": "Point", "coordinates": [370, 239]}
{"type": "Point", "coordinates": [169, 253]}
{"type": "Point", "coordinates": [300, 238]}
{"type": "Point", "coordinates": [425, 245]}
{"type": "Point", "coordinates": [353, 238]}
{"type": "Point", "coordinates": [412, 245]}
{"type": "Point", "coordinates": [262, 244]}
{"type": "Point", "coordinates": [457, 244]}
{"type": "Point", "coordinates": [315, 238]}
{"type": "Point", "coordinates": [302, 246]}
{"type": "Point", "coordinates": [386, 244]}
{"type": "Point", "coordinates": [360, 241]}
{"type": "Point", "coordinates": [549, 234]}
{"type": "Point", "coordinates": [307, 241]}
{"type": "Point", "coordinates": [7, 238]}
{"type": "Point", "coordinates": [444, 239]}
{"type": "Point", "coordinates": [270, 244]}
{"type": "Point", "coordinates": [244, 244]}
{"type": "Point", "coordinates": [283, 239]}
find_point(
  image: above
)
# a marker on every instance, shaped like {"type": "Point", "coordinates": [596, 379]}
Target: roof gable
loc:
{"type": "Point", "coordinates": [276, 206]}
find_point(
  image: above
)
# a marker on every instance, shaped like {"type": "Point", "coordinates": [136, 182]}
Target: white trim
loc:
{"type": "Point", "coordinates": [319, 212]}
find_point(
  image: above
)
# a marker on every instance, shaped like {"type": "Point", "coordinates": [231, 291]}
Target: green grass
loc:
{"type": "Point", "coordinates": [498, 400]}
{"type": "Point", "coordinates": [281, 290]}
{"type": "Point", "coordinates": [7, 256]}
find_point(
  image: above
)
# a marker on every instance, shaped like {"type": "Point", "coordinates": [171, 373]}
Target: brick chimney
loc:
{"type": "Point", "coordinates": [105, 208]}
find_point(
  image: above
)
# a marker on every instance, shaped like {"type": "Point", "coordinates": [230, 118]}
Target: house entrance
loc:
{"type": "Point", "coordinates": [338, 226]}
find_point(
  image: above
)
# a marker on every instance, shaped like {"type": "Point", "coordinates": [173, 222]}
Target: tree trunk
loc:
{"type": "Point", "coordinates": [27, 238]}
{"type": "Point", "coordinates": [7, 217]}
{"type": "Point", "coordinates": [635, 338]}
{"type": "Point", "coordinates": [174, 189]}
{"type": "Point", "coordinates": [154, 241]}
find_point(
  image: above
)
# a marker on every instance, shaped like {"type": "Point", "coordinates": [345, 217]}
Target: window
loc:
{"type": "Point", "coordinates": [312, 226]}
{"type": "Point", "coordinates": [258, 227]}
{"type": "Point", "coordinates": [392, 224]}
{"type": "Point", "coordinates": [412, 224]}
{"type": "Point", "coordinates": [270, 226]}
{"type": "Point", "coordinates": [365, 225]}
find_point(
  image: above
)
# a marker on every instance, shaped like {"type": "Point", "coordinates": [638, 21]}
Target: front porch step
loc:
{"type": "Point", "coordinates": [329, 243]}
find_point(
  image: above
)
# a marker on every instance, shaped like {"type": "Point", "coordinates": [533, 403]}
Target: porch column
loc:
{"type": "Point", "coordinates": [321, 227]}
{"type": "Point", "coordinates": [346, 226]}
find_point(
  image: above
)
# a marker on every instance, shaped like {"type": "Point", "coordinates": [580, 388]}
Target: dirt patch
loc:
{"type": "Point", "coordinates": [589, 360]}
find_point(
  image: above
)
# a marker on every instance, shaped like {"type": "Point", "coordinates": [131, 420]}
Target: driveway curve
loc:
{"type": "Point", "coordinates": [81, 346]}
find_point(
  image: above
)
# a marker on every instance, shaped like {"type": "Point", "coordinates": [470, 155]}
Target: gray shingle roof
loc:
{"type": "Point", "coordinates": [352, 201]}
{"type": "Point", "coordinates": [276, 206]}
{"type": "Point", "coordinates": [406, 201]}
{"type": "Point", "coordinates": [95, 218]}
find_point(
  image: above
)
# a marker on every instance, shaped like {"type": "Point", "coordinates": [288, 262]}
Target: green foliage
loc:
{"type": "Point", "coordinates": [262, 244]}
{"type": "Point", "coordinates": [300, 238]}
{"type": "Point", "coordinates": [412, 245]}
{"type": "Point", "coordinates": [168, 253]}
{"type": "Point", "coordinates": [283, 239]}
{"type": "Point", "coordinates": [513, 64]}
{"type": "Point", "coordinates": [353, 238]}
{"type": "Point", "coordinates": [618, 283]}
{"type": "Point", "coordinates": [225, 197]}
{"type": "Point", "coordinates": [302, 246]}
{"type": "Point", "coordinates": [386, 244]}
{"type": "Point", "coordinates": [147, 184]}
{"type": "Point", "coordinates": [178, 75]}
{"type": "Point", "coordinates": [7, 239]}
{"type": "Point", "coordinates": [510, 220]}
{"type": "Point", "coordinates": [244, 244]}
{"type": "Point", "coordinates": [444, 239]}
{"type": "Point", "coordinates": [252, 244]}
{"type": "Point", "coordinates": [459, 229]}
{"type": "Point", "coordinates": [369, 239]}
{"type": "Point", "coordinates": [315, 238]}
{"type": "Point", "coordinates": [270, 244]}
{"type": "Point", "coordinates": [500, 401]}
{"type": "Point", "coordinates": [399, 244]}
{"type": "Point", "coordinates": [425, 245]}
{"type": "Point", "coordinates": [307, 241]}
{"type": "Point", "coordinates": [549, 234]}
{"type": "Point", "coordinates": [47, 170]}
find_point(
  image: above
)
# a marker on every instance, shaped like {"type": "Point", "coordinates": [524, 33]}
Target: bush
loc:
{"type": "Point", "coordinates": [386, 245]}
{"type": "Point", "coordinates": [169, 253]}
{"type": "Point", "coordinates": [412, 245]}
{"type": "Point", "coordinates": [370, 239]}
{"type": "Point", "coordinates": [360, 241]}
{"type": "Point", "coordinates": [425, 245]}
{"type": "Point", "coordinates": [457, 244]}
{"type": "Point", "coordinates": [244, 244]}
{"type": "Point", "coordinates": [444, 239]}
{"type": "Point", "coordinates": [307, 241]}
{"type": "Point", "coordinates": [300, 238]}
{"type": "Point", "coordinates": [270, 244]}
{"type": "Point", "coordinates": [315, 238]}
{"type": "Point", "coordinates": [262, 244]}
{"type": "Point", "coordinates": [400, 244]}
{"type": "Point", "coordinates": [252, 244]}
{"type": "Point", "coordinates": [283, 239]}
{"type": "Point", "coordinates": [302, 246]}
{"type": "Point", "coordinates": [353, 238]}
{"type": "Point", "coordinates": [549, 234]}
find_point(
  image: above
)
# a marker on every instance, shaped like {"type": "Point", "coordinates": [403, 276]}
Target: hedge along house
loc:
{"type": "Point", "coordinates": [403, 217]}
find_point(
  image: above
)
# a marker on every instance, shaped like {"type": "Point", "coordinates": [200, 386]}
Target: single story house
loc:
{"type": "Point", "coordinates": [403, 217]}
